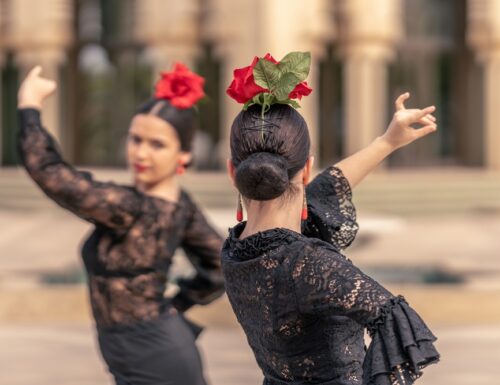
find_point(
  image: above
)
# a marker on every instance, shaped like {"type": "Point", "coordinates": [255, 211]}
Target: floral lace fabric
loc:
{"type": "Point", "coordinates": [304, 306]}
{"type": "Point", "coordinates": [129, 253]}
{"type": "Point", "coordinates": [332, 215]}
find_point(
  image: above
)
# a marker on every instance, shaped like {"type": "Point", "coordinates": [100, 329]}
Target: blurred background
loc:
{"type": "Point", "coordinates": [429, 216]}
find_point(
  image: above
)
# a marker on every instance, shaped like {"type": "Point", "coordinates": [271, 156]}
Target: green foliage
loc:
{"type": "Point", "coordinates": [280, 79]}
{"type": "Point", "coordinates": [297, 63]}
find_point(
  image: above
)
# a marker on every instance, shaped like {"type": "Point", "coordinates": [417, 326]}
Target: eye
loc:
{"type": "Point", "coordinates": [135, 139]}
{"type": "Point", "coordinates": [156, 144]}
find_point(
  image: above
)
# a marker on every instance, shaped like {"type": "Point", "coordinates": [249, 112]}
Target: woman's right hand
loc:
{"type": "Point", "coordinates": [34, 89]}
{"type": "Point", "coordinates": [401, 131]}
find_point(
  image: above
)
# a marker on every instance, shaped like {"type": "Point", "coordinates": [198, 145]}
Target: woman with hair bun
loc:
{"type": "Point", "coordinates": [143, 336]}
{"type": "Point", "coordinates": [302, 304]}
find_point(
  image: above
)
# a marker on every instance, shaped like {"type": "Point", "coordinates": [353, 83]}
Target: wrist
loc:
{"type": "Point", "coordinates": [385, 144]}
{"type": "Point", "coordinates": [29, 104]}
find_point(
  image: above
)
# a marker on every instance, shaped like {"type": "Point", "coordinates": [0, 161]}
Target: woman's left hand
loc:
{"type": "Point", "coordinates": [400, 131]}
{"type": "Point", "coordinates": [35, 89]}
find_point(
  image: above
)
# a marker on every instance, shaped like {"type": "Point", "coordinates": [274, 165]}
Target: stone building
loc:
{"type": "Point", "coordinates": [106, 54]}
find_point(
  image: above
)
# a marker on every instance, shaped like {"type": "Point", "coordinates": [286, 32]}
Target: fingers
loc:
{"type": "Point", "coordinates": [414, 116]}
{"type": "Point", "coordinates": [424, 131]}
{"type": "Point", "coordinates": [35, 71]}
{"type": "Point", "coordinates": [428, 110]}
{"type": "Point", "coordinates": [399, 103]}
{"type": "Point", "coordinates": [427, 120]}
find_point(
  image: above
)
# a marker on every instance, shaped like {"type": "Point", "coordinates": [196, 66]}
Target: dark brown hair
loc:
{"type": "Point", "coordinates": [183, 120]}
{"type": "Point", "coordinates": [268, 152]}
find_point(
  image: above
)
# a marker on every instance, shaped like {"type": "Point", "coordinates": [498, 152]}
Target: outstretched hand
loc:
{"type": "Point", "coordinates": [401, 131]}
{"type": "Point", "coordinates": [35, 89]}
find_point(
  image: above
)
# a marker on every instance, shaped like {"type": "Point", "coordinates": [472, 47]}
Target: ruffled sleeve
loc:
{"type": "Point", "coordinates": [331, 213]}
{"type": "Point", "coordinates": [327, 284]}
{"type": "Point", "coordinates": [402, 345]}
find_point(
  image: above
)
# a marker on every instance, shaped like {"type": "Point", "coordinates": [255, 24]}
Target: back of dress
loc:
{"type": "Point", "coordinates": [304, 306]}
{"type": "Point", "coordinates": [289, 345]}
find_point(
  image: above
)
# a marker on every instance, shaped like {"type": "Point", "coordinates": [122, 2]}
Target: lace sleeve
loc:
{"type": "Point", "coordinates": [104, 203]}
{"type": "Point", "coordinates": [332, 215]}
{"type": "Point", "coordinates": [202, 245]}
{"type": "Point", "coordinates": [402, 345]}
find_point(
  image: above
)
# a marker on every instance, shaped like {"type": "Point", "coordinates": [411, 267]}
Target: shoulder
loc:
{"type": "Point", "coordinates": [186, 200]}
{"type": "Point", "coordinates": [313, 254]}
{"type": "Point", "coordinates": [321, 249]}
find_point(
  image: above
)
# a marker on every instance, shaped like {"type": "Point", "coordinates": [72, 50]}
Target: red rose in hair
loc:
{"type": "Point", "coordinates": [181, 87]}
{"type": "Point", "coordinates": [268, 57]}
{"type": "Point", "coordinates": [243, 87]}
{"type": "Point", "coordinates": [302, 89]}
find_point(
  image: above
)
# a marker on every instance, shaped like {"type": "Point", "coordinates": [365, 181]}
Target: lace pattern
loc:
{"type": "Point", "coordinates": [129, 253]}
{"type": "Point", "coordinates": [332, 215]}
{"type": "Point", "coordinates": [304, 306]}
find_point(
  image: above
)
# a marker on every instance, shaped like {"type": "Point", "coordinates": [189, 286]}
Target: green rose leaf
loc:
{"type": "Point", "coordinates": [248, 104]}
{"type": "Point", "coordinates": [297, 63]}
{"type": "Point", "coordinates": [280, 79]}
{"type": "Point", "coordinates": [266, 74]}
{"type": "Point", "coordinates": [286, 84]}
{"type": "Point", "coordinates": [293, 103]}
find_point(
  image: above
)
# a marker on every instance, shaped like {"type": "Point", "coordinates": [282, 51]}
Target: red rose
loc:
{"type": "Point", "coordinates": [301, 89]}
{"type": "Point", "coordinates": [181, 87]}
{"type": "Point", "coordinates": [243, 87]}
{"type": "Point", "coordinates": [268, 57]}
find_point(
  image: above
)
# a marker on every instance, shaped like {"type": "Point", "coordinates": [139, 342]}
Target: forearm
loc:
{"type": "Point", "coordinates": [104, 203]}
{"type": "Point", "coordinates": [197, 291]}
{"type": "Point", "coordinates": [37, 148]}
{"type": "Point", "coordinates": [357, 166]}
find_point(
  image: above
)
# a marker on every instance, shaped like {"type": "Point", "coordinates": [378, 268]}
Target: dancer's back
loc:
{"type": "Point", "coordinates": [302, 304]}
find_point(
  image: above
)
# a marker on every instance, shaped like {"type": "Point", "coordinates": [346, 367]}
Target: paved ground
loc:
{"type": "Point", "coordinates": [45, 344]}
{"type": "Point", "coordinates": [45, 240]}
{"type": "Point", "coordinates": [66, 354]}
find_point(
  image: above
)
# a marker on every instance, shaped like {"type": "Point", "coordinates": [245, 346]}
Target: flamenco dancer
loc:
{"type": "Point", "coordinates": [143, 336]}
{"type": "Point", "coordinates": [302, 304]}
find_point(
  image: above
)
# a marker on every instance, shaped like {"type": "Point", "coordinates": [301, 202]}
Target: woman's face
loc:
{"type": "Point", "coordinates": [153, 149]}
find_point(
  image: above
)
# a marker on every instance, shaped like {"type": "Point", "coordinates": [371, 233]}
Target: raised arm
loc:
{"type": "Point", "coordinates": [202, 245]}
{"type": "Point", "coordinates": [101, 203]}
{"type": "Point", "coordinates": [399, 134]}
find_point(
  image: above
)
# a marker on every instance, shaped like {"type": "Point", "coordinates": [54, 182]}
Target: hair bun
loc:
{"type": "Point", "coordinates": [262, 176]}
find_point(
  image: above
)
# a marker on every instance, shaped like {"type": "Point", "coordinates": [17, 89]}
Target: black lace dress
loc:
{"type": "Point", "coordinates": [129, 253]}
{"type": "Point", "coordinates": [304, 306]}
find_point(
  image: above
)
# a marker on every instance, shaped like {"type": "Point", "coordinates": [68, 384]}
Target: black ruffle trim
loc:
{"type": "Point", "coordinates": [402, 345]}
{"type": "Point", "coordinates": [258, 243]}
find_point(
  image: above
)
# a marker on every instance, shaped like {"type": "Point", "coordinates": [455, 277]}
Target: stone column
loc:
{"type": "Point", "coordinates": [369, 31]}
{"type": "Point", "coordinates": [483, 36]}
{"type": "Point", "coordinates": [232, 26]}
{"type": "Point", "coordinates": [40, 33]}
{"type": "Point", "coordinates": [2, 27]}
{"type": "Point", "coordinates": [170, 31]}
{"type": "Point", "coordinates": [241, 30]}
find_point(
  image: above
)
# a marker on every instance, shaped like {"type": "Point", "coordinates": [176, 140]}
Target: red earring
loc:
{"type": "Point", "coordinates": [239, 210]}
{"type": "Point", "coordinates": [181, 169]}
{"type": "Point", "coordinates": [303, 215]}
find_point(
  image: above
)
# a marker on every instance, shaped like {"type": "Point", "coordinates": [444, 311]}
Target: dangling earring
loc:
{"type": "Point", "coordinates": [303, 215]}
{"type": "Point", "coordinates": [239, 210]}
{"type": "Point", "coordinates": [181, 169]}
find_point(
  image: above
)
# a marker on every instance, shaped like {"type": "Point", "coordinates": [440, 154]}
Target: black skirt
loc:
{"type": "Point", "coordinates": [160, 352]}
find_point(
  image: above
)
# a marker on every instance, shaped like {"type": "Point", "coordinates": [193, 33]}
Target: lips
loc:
{"type": "Point", "coordinates": [140, 167]}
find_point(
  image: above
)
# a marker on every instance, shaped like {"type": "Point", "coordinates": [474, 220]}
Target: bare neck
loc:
{"type": "Point", "coordinates": [167, 189]}
{"type": "Point", "coordinates": [266, 215]}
